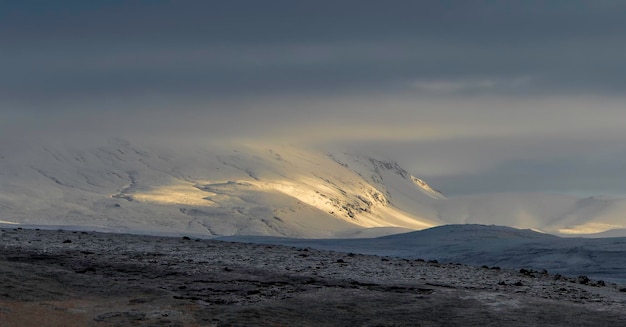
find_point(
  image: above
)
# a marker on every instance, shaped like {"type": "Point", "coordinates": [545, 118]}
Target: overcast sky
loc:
{"type": "Point", "coordinates": [472, 96]}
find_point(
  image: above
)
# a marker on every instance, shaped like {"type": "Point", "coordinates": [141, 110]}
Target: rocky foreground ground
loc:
{"type": "Point", "coordinates": [65, 278]}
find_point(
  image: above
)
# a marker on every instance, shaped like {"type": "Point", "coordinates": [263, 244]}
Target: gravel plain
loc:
{"type": "Point", "coordinates": [74, 278]}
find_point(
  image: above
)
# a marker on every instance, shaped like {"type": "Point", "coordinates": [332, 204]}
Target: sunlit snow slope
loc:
{"type": "Point", "coordinates": [257, 190]}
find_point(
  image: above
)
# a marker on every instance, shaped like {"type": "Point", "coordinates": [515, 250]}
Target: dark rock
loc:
{"type": "Point", "coordinates": [186, 238]}
{"type": "Point", "coordinates": [532, 273]}
{"type": "Point", "coordinates": [67, 241]}
{"type": "Point", "coordinates": [107, 316]}
{"type": "Point", "coordinates": [518, 283]}
{"type": "Point", "coordinates": [582, 279]}
{"type": "Point", "coordinates": [88, 269]}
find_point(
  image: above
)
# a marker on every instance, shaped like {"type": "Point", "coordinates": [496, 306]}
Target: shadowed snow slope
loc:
{"type": "Point", "coordinates": [231, 189]}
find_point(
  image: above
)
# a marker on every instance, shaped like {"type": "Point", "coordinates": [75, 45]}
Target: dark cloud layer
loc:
{"type": "Point", "coordinates": [446, 78]}
{"type": "Point", "coordinates": [58, 49]}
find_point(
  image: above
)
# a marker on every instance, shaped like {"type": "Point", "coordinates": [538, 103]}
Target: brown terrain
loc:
{"type": "Point", "coordinates": [65, 278]}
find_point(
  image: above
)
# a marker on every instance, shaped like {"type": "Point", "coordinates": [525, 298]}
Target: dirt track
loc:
{"type": "Point", "coordinates": [63, 278]}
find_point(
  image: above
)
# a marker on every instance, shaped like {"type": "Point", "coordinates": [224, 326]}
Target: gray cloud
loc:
{"type": "Point", "coordinates": [199, 47]}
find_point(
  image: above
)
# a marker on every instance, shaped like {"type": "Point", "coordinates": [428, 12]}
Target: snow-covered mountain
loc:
{"type": "Point", "coordinates": [228, 189]}
{"type": "Point", "coordinates": [210, 190]}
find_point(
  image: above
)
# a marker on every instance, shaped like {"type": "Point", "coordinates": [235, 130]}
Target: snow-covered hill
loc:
{"type": "Point", "coordinates": [486, 245]}
{"type": "Point", "coordinates": [234, 189]}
